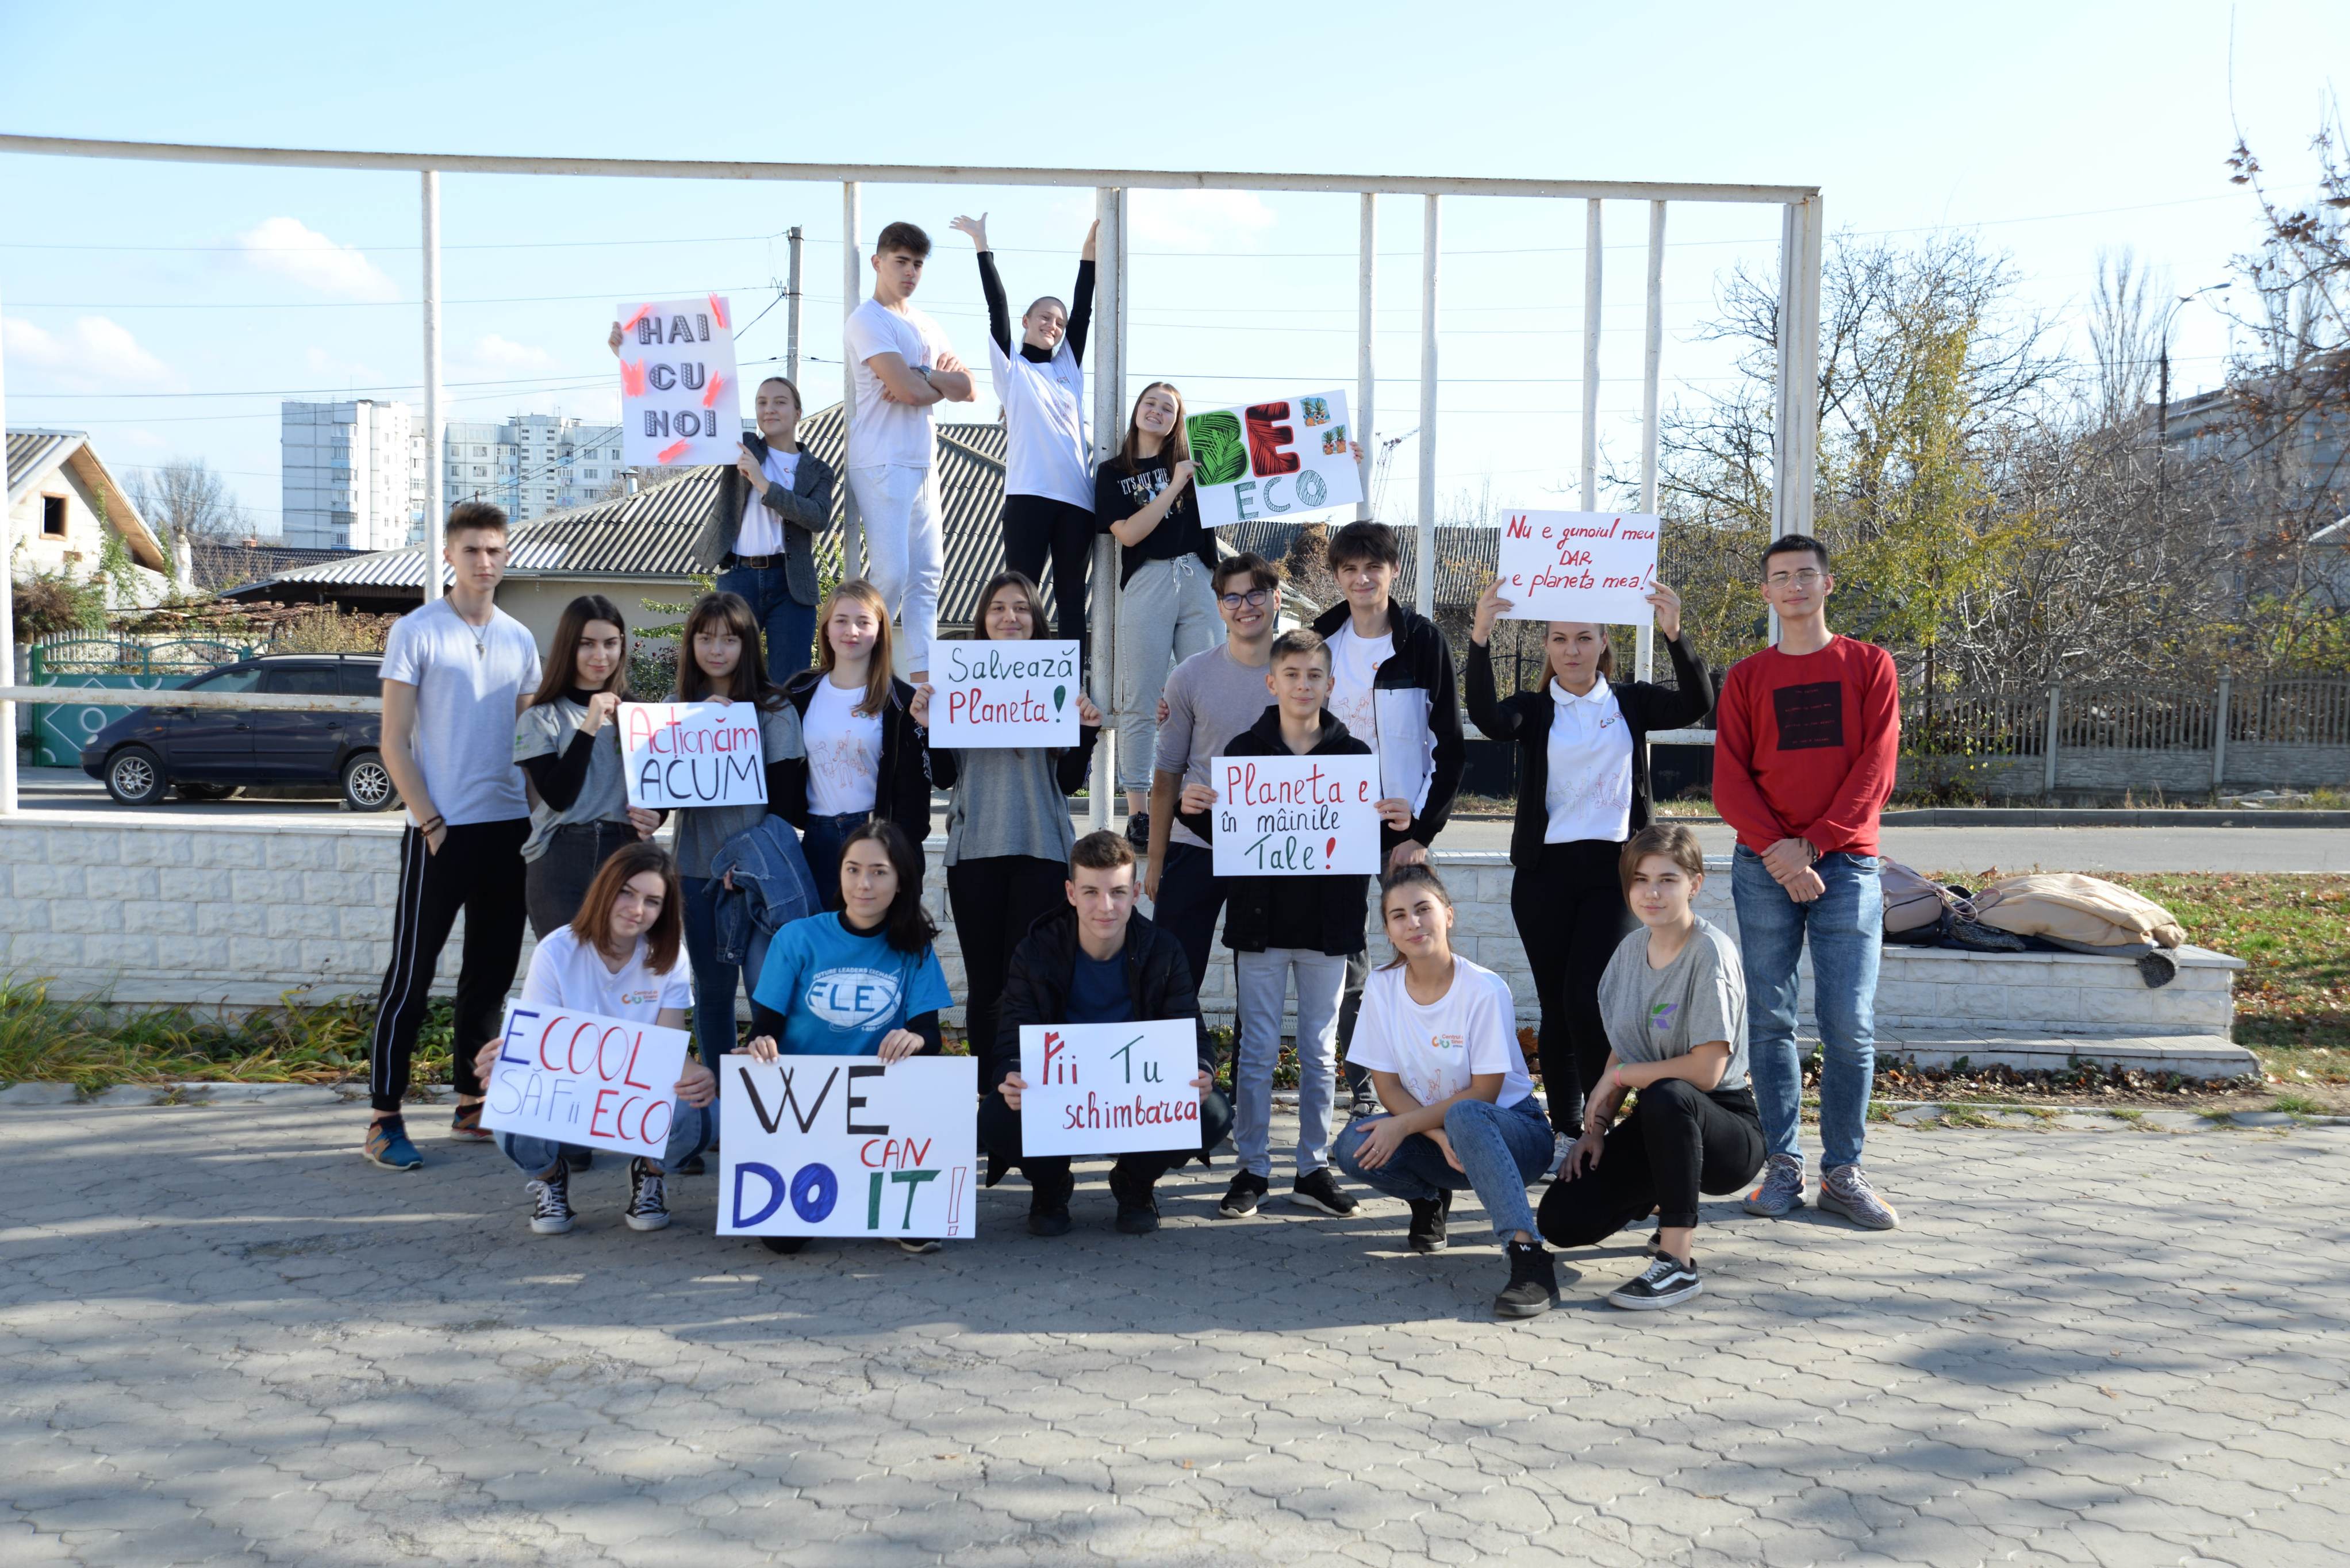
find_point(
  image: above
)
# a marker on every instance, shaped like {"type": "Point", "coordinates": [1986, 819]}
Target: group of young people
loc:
{"type": "Point", "coordinates": [1666, 1048]}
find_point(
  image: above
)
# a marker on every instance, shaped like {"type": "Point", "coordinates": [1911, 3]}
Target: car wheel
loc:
{"type": "Point", "coordinates": [134, 776]}
{"type": "Point", "coordinates": [205, 790]}
{"type": "Point", "coordinates": [366, 784]}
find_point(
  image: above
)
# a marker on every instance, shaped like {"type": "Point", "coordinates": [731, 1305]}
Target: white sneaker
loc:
{"type": "Point", "coordinates": [1559, 1146]}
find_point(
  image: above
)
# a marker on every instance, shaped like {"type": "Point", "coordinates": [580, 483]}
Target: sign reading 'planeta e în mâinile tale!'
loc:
{"type": "Point", "coordinates": [680, 397]}
{"type": "Point", "coordinates": [1295, 817]}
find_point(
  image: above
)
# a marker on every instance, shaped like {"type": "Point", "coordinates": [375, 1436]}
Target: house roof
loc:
{"type": "Point", "coordinates": [225, 565]}
{"type": "Point", "coordinates": [32, 454]}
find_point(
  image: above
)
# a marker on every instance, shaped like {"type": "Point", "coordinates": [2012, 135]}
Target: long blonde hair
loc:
{"type": "Point", "coordinates": [876, 670]}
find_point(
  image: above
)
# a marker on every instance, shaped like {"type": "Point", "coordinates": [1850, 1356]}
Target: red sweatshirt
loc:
{"type": "Point", "coordinates": [1805, 746]}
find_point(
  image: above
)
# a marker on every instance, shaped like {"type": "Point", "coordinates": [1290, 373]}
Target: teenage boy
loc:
{"type": "Point", "coordinates": [1391, 684]}
{"type": "Point", "coordinates": [1211, 697]}
{"type": "Point", "coordinates": [902, 365]}
{"type": "Point", "coordinates": [1805, 744]}
{"type": "Point", "coordinates": [761, 533]}
{"type": "Point", "coordinates": [1096, 962]}
{"type": "Point", "coordinates": [455, 675]}
{"type": "Point", "coordinates": [1279, 926]}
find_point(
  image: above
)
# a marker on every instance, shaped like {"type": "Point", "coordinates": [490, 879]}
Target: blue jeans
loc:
{"type": "Point", "coordinates": [690, 1128]}
{"type": "Point", "coordinates": [1847, 928]}
{"type": "Point", "coordinates": [714, 982]}
{"type": "Point", "coordinates": [821, 842]}
{"type": "Point", "coordinates": [1501, 1150]}
{"type": "Point", "coordinates": [789, 626]}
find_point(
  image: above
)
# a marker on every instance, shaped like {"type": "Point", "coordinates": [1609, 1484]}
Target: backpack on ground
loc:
{"type": "Point", "coordinates": [2073, 913]}
{"type": "Point", "coordinates": [1922, 912]}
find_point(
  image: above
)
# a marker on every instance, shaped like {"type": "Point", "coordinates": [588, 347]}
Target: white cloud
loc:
{"type": "Point", "coordinates": [284, 247]}
{"type": "Point", "coordinates": [503, 354]}
{"type": "Point", "coordinates": [326, 365]}
{"type": "Point", "coordinates": [96, 355]}
{"type": "Point", "coordinates": [1198, 219]}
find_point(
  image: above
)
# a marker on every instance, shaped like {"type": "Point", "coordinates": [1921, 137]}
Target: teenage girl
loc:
{"type": "Point", "coordinates": [866, 754]}
{"type": "Point", "coordinates": [1008, 830]}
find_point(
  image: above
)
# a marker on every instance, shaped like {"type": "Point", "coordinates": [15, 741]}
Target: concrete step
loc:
{"type": "Point", "coordinates": [2189, 1056]}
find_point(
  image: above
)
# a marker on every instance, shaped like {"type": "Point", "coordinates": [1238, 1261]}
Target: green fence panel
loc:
{"type": "Point", "coordinates": [60, 730]}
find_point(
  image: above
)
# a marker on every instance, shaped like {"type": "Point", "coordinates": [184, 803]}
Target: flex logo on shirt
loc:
{"type": "Point", "coordinates": [1661, 1016]}
{"type": "Point", "coordinates": [852, 998]}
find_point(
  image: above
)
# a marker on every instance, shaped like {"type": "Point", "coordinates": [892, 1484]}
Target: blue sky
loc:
{"type": "Point", "coordinates": [2055, 129]}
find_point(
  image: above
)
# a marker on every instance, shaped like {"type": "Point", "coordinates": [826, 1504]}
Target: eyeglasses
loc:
{"type": "Point", "coordinates": [1253, 598]}
{"type": "Point", "coordinates": [1808, 577]}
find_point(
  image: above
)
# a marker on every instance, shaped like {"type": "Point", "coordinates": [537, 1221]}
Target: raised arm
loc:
{"type": "Point", "coordinates": [1081, 297]}
{"type": "Point", "coordinates": [999, 309]}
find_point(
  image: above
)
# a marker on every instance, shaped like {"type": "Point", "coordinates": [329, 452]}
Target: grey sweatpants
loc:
{"type": "Point", "coordinates": [1166, 613]}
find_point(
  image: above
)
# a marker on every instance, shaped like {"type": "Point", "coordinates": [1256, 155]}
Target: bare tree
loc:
{"type": "Point", "coordinates": [184, 498]}
{"type": "Point", "coordinates": [2127, 331]}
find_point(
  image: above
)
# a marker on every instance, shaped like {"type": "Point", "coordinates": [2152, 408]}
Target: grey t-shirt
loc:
{"type": "Point", "coordinates": [1007, 802]}
{"type": "Point", "coordinates": [1656, 1014]}
{"type": "Point", "coordinates": [546, 731]}
{"type": "Point", "coordinates": [467, 680]}
{"type": "Point", "coordinates": [1211, 698]}
{"type": "Point", "coordinates": [700, 829]}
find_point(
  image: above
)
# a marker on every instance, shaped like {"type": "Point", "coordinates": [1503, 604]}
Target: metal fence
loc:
{"type": "Point", "coordinates": [2307, 711]}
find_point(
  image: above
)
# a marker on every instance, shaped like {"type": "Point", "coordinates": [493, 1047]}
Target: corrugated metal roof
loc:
{"type": "Point", "coordinates": [33, 452]}
{"type": "Point", "coordinates": [221, 565]}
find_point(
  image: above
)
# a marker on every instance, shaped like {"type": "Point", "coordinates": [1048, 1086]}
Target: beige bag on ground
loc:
{"type": "Point", "coordinates": [2067, 907]}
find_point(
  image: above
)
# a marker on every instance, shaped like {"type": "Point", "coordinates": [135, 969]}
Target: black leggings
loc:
{"type": "Point", "coordinates": [1679, 1141]}
{"type": "Point", "coordinates": [478, 871]}
{"type": "Point", "coordinates": [1570, 914]}
{"type": "Point", "coordinates": [995, 900]}
{"type": "Point", "coordinates": [1036, 525]}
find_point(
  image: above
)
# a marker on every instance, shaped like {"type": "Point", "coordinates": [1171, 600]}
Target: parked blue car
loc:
{"type": "Point", "coordinates": [208, 753]}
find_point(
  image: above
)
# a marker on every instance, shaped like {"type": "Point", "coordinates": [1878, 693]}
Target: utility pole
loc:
{"type": "Point", "coordinates": [792, 310]}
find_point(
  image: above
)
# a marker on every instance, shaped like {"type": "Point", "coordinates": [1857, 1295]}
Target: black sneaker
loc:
{"type": "Point", "coordinates": [1533, 1289]}
{"type": "Point", "coordinates": [1137, 829]}
{"type": "Point", "coordinates": [1049, 1204]}
{"type": "Point", "coordinates": [1241, 1198]}
{"type": "Point", "coordinates": [1428, 1223]}
{"type": "Point", "coordinates": [786, 1245]}
{"type": "Point", "coordinates": [551, 1214]}
{"type": "Point", "coordinates": [1667, 1282]}
{"type": "Point", "coordinates": [578, 1159]}
{"type": "Point", "coordinates": [1137, 1211]}
{"type": "Point", "coordinates": [647, 1206]}
{"type": "Point", "coordinates": [1320, 1189]}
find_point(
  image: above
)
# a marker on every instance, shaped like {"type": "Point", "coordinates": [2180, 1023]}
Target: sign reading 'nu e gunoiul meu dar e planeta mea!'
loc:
{"type": "Point", "coordinates": [1285, 458]}
{"type": "Point", "coordinates": [581, 1079]}
{"type": "Point", "coordinates": [842, 1146]}
{"type": "Point", "coordinates": [1109, 1089]}
{"type": "Point", "coordinates": [1004, 693]}
{"type": "Point", "coordinates": [679, 399]}
{"type": "Point", "coordinates": [692, 753]}
{"type": "Point", "coordinates": [1295, 817]}
{"type": "Point", "coordinates": [1579, 565]}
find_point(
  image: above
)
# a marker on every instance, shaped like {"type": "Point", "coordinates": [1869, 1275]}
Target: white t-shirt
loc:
{"type": "Point", "coordinates": [844, 751]}
{"type": "Point", "coordinates": [1354, 663]}
{"type": "Point", "coordinates": [762, 533]}
{"type": "Point", "coordinates": [1589, 792]}
{"type": "Point", "coordinates": [882, 433]}
{"type": "Point", "coordinates": [1046, 450]}
{"type": "Point", "coordinates": [567, 972]}
{"type": "Point", "coordinates": [467, 679]}
{"type": "Point", "coordinates": [1472, 1029]}
{"type": "Point", "coordinates": [1393, 723]}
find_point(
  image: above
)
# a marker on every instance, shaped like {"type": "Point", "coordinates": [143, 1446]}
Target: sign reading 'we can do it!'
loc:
{"type": "Point", "coordinates": [680, 403]}
{"type": "Point", "coordinates": [1286, 457]}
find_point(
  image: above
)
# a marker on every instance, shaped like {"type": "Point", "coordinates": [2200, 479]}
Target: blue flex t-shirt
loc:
{"type": "Point", "coordinates": [839, 993]}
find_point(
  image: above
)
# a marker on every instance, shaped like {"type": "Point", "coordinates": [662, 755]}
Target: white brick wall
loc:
{"type": "Point", "coordinates": [214, 913]}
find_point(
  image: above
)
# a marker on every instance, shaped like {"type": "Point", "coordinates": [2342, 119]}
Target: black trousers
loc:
{"type": "Point", "coordinates": [998, 1138]}
{"type": "Point", "coordinates": [556, 884]}
{"type": "Point", "coordinates": [995, 900]}
{"type": "Point", "coordinates": [1679, 1141]}
{"type": "Point", "coordinates": [1035, 526]}
{"type": "Point", "coordinates": [1570, 914]}
{"type": "Point", "coordinates": [1191, 897]}
{"type": "Point", "coordinates": [479, 870]}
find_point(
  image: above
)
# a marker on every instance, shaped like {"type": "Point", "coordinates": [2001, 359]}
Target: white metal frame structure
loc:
{"type": "Point", "coordinates": [1800, 242]}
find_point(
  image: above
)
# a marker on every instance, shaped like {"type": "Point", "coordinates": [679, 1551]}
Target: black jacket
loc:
{"type": "Point", "coordinates": [1422, 663]}
{"type": "Point", "coordinates": [1525, 719]}
{"type": "Point", "coordinates": [902, 795]}
{"type": "Point", "coordinates": [1037, 979]}
{"type": "Point", "coordinates": [1248, 900]}
{"type": "Point", "coordinates": [805, 509]}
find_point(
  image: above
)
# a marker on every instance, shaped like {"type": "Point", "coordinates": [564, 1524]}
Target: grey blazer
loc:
{"type": "Point", "coordinates": [805, 509]}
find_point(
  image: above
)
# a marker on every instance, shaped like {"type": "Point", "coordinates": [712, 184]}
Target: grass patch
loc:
{"type": "Point", "coordinates": [2298, 1105]}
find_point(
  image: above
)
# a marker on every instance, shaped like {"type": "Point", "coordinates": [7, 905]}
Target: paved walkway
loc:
{"type": "Point", "coordinates": [223, 1339]}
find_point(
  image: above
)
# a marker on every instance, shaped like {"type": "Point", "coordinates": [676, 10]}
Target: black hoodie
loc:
{"type": "Point", "coordinates": [1338, 902]}
{"type": "Point", "coordinates": [1037, 987]}
{"type": "Point", "coordinates": [1421, 663]}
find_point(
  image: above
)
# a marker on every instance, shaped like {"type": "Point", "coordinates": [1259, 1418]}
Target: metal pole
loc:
{"type": "Point", "coordinates": [2048, 742]}
{"type": "Point", "coordinates": [1366, 331]}
{"type": "Point", "coordinates": [8, 806]}
{"type": "Point", "coordinates": [792, 310]}
{"type": "Point", "coordinates": [1651, 361]}
{"type": "Point", "coordinates": [435, 443]}
{"type": "Point", "coordinates": [2221, 713]}
{"type": "Point", "coordinates": [1110, 429]}
{"type": "Point", "coordinates": [1797, 454]}
{"type": "Point", "coordinates": [852, 295]}
{"type": "Point", "coordinates": [1425, 570]}
{"type": "Point", "coordinates": [1591, 293]}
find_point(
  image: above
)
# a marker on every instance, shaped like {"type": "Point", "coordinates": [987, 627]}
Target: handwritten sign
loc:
{"type": "Point", "coordinates": [692, 753]}
{"type": "Point", "coordinates": [1004, 694]}
{"type": "Point", "coordinates": [1109, 1089]}
{"type": "Point", "coordinates": [1578, 565]}
{"type": "Point", "coordinates": [1282, 458]}
{"type": "Point", "coordinates": [577, 1078]}
{"type": "Point", "coordinates": [680, 399]}
{"type": "Point", "coordinates": [1295, 817]}
{"type": "Point", "coordinates": [842, 1146]}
